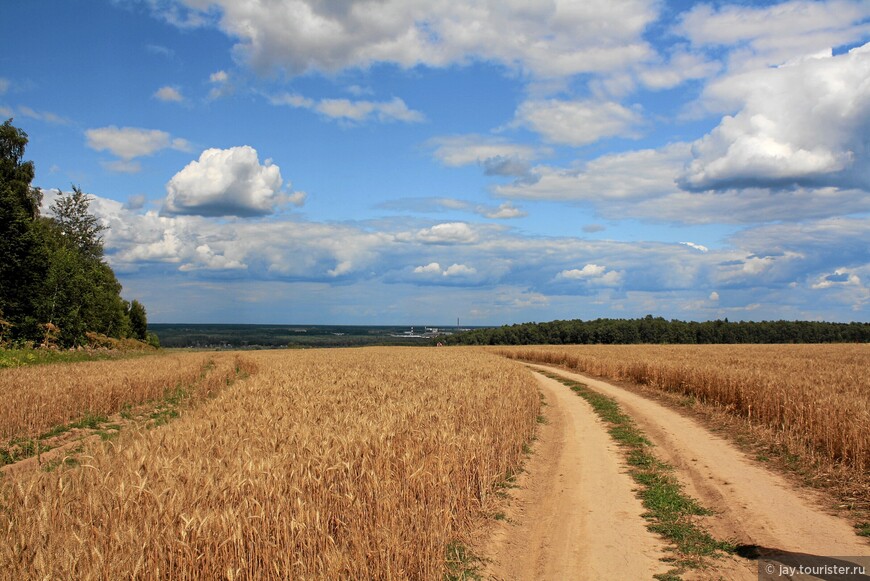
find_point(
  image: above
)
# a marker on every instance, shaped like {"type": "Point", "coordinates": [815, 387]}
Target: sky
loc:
{"type": "Point", "coordinates": [490, 161]}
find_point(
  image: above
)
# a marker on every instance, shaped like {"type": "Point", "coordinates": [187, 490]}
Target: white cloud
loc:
{"type": "Point", "coordinates": [578, 122]}
{"type": "Point", "coordinates": [632, 175]}
{"type": "Point", "coordinates": [562, 37]}
{"type": "Point", "coordinates": [840, 277]}
{"type": "Point", "coordinates": [698, 247]}
{"type": "Point", "coordinates": [431, 268]}
{"type": "Point", "coordinates": [505, 211]}
{"type": "Point", "coordinates": [771, 269]}
{"type": "Point", "coordinates": [206, 259]}
{"type": "Point", "coordinates": [496, 155]}
{"type": "Point", "coordinates": [226, 182]}
{"type": "Point", "coordinates": [131, 142]}
{"type": "Point", "coordinates": [594, 274]}
{"type": "Point", "coordinates": [459, 270]}
{"type": "Point", "coordinates": [447, 233]}
{"type": "Point", "coordinates": [454, 270]}
{"type": "Point", "coordinates": [681, 66]}
{"type": "Point", "coordinates": [588, 271]}
{"type": "Point", "coordinates": [45, 116]}
{"type": "Point", "coordinates": [221, 85]}
{"type": "Point", "coordinates": [169, 94]}
{"type": "Point", "coordinates": [353, 111]}
{"type": "Point", "coordinates": [714, 296]}
{"type": "Point", "coordinates": [760, 36]}
{"type": "Point", "coordinates": [806, 123]}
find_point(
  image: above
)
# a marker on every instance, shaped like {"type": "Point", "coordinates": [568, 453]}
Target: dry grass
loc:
{"type": "Point", "coordinates": [334, 464]}
{"type": "Point", "coordinates": [815, 399]}
{"type": "Point", "coordinates": [38, 398]}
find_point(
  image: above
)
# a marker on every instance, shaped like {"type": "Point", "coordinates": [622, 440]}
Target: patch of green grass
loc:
{"type": "Point", "coordinates": [90, 421]}
{"type": "Point", "coordinates": [69, 460]}
{"type": "Point", "coordinates": [30, 356]}
{"type": "Point", "coordinates": [669, 510]}
{"type": "Point", "coordinates": [461, 563]}
{"type": "Point", "coordinates": [863, 529]}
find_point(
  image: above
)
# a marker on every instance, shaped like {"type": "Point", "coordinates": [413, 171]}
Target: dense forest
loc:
{"type": "Point", "coordinates": [56, 289]}
{"type": "Point", "coordinates": [658, 330]}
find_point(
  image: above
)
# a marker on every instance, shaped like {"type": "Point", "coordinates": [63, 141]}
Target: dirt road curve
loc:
{"type": "Point", "coordinates": [576, 516]}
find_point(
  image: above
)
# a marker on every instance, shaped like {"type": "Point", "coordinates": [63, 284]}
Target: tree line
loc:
{"type": "Point", "coordinates": [651, 329]}
{"type": "Point", "coordinates": [55, 285]}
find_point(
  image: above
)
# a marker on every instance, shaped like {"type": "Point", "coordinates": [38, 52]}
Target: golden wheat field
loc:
{"type": "Point", "coordinates": [325, 464]}
{"type": "Point", "coordinates": [35, 399]}
{"type": "Point", "coordinates": [816, 398]}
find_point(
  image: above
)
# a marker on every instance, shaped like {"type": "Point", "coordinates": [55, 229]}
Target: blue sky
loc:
{"type": "Point", "coordinates": [415, 162]}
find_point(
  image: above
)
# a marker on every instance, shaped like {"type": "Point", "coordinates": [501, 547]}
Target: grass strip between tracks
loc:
{"type": "Point", "coordinates": [670, 512]}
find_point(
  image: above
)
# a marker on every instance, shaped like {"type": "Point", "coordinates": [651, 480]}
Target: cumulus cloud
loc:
{"type": "Point", "coordinates": [431, 268]}
{"type": "Point", "coordinates": [760, 36]}
{"type": "Point", "coordinates": [804, 123]}
{"type": "Point", "coordinates": [169, 95]}
{"type": "Point", "coordinates": [593, 274]}
{"type": "Point", "coordinates": [131, 142]}
{"type": "Point", "coordinates": [771, 268]}
{"type": "Point", "coordinates": [206, 259]}
{"type": "Point", "coordinates": [698, 247]}
{"type": "Point", "coordinates": [681, 65]}
{"type": "Point", "coordinates": [350, 111]}
{"type": "Point", "coordinates": [546, 39]}
{"type": "Point", "coordinates": [227, 182]}
{"type": "Point", "coordinates": [454, 270]}
{"type": "Point", "coordinates": [447, 233]}
{"type": "Point", "coordinates": [495, 155]}
{"type": "Point", "coordinates": [840, 277]}
{"type": "Point", "coordinates": [504, 211]}
{"type": "Point", "coordinates": [631, 175]}
{"type": "Point", "coordinates": [219, 77]}
{"type": "Point", "coordinates": [221, 85]}
{"type": "Point", "coordinates": [578, 122]}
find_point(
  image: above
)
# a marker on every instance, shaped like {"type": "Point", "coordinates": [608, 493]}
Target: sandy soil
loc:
{"type": "Point", "coordinates": [754, 507]}
{"type": "Point", "coordinates": [574, 514]}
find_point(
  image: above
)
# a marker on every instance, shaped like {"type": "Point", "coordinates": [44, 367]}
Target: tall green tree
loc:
{"type": "Point", "coordinates": [52, 268]}
{"type": "Point", "coordinates": [83, 293]}
{"type": "Point", "coordinates": [138, 321]}
{"type": "Point", "coordinates": [23, 256]}
{"type": "Point", "coordinates": [79, 228]}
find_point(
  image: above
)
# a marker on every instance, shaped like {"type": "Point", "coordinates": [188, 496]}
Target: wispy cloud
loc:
{"type": "Point", "coordinates": [353, 112]}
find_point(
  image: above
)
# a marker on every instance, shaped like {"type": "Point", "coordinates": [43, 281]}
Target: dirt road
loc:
{"type": "Point", "coordinates": [576, 516]}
